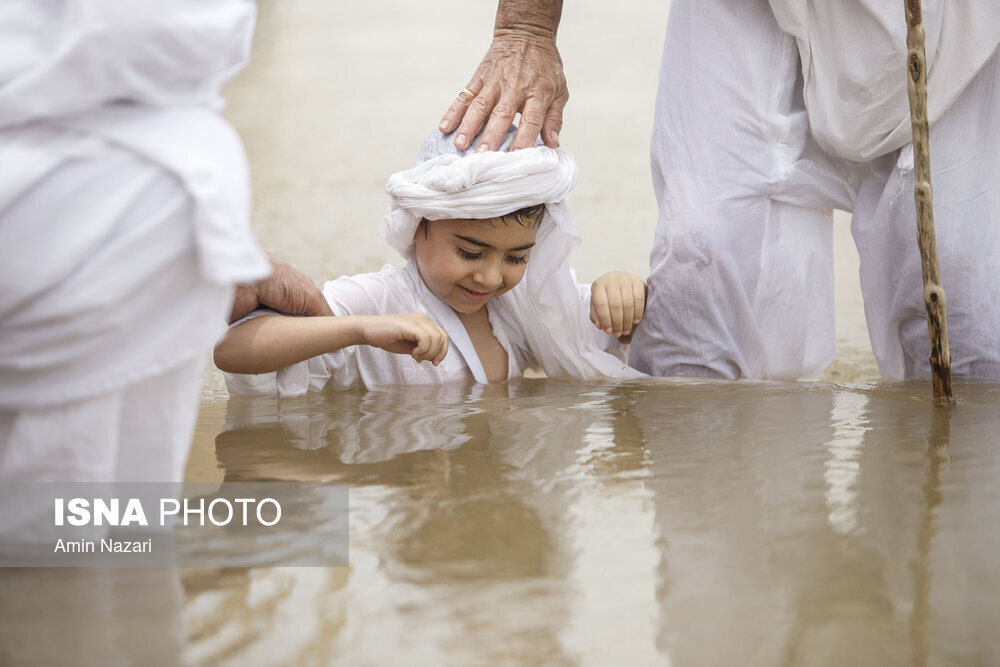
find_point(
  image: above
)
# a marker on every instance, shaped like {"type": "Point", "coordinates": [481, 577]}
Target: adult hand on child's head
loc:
{"type": "Point", "coordinates": [411, 333]}
{"type": "Point", "coordinates": [286, 290]}
{"type": "Point", "coordinates": [521, 73]}
{"type": "Point", "coordinates": [617, 301]}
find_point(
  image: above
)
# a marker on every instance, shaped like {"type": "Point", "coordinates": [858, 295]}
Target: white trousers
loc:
{"type": "Point", "coordinates": [140, 432]}
{"type": "Point", "coordinates": [741, 271]}
{"type": "Point", "coordinates": [106, 323]}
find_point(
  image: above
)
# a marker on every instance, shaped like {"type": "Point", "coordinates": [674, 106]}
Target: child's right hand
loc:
{"type": "Point", "coordinates": [411, 333]}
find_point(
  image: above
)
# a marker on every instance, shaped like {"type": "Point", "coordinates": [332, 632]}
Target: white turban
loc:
{"type": "Point", "coordinates": [547, 306]}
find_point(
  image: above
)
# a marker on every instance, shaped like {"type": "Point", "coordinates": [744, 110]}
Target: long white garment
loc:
{"type": "Point", "coordinates": [116, 170]}
{"type": "Point", "coordinates": [854, 65]}
{"type": "Point", "coordinates": [741, 280]}
{"type": "Point", "coordinates": [124, 226]}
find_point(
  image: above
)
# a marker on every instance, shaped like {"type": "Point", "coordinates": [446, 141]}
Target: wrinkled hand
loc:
{"type": "Point", "coordinates": [413, 334]}
{"type": "Point", "coordinates": [286, 290]}
{"type": "Point", "coordinates": [521, 73]}
{"type": "Point", "coordinates": [617, 301]}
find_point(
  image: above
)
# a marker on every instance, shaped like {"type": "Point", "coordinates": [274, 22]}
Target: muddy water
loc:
{"type": "Point", "coordinates": [554, 522]}
{"type": "Point", "coordinates": [542, 521]}
{"type": "Point", "coordinates": [654, 522]}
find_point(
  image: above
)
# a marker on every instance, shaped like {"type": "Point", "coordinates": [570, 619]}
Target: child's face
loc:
{"type": "Point", "coordinates": [465, 263]}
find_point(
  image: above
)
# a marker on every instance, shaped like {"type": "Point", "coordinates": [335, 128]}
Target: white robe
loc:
{"type": "Point", "coordinates": [853, 59]}
{"type": "Point", "coordinates": [393, 290]}
{"type": "Point", "coordinates": [106, 108]}
{"type": "Point", "coordinates": [124, 226]}
{"type": "Point", "coordinates": [770, 114]}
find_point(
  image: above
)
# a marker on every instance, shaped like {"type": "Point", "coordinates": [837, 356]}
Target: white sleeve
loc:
{"type": "Point", "coordinates": [365, 294]}
{"type": "Point", "coordinates": [310, 375]}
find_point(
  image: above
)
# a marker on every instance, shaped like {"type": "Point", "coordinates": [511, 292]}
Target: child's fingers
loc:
{"type": "Point", "coordinates": [617, 310]}
{"type": "Point", "coordinates": [420, 341]}
{"type": "Point", "coordinates": [431, 342]}
{"type": "Point", "coordinates": [438, 345]}
{"type": "Point", "coordinates": [617, 303]}
{"type": "Point", "coordinates": [639, 299]}
{"type": "Point", "coordinates": [600, 309]}
{"type": "Point", "coordinates": [628, 312]}
{"type": "Point", "coordinates": [442, 352]}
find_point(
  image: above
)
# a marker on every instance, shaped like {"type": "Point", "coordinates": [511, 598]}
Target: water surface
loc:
{"type": "Point", "coordinates": [549, 522]}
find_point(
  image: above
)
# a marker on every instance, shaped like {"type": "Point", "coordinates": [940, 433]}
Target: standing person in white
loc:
{"type": "Point", "coordinates": [768, 115]}
{"type": "Point", "coordinates": [124, 229]}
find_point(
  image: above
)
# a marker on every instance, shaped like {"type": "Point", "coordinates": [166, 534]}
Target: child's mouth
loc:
{"type": "Point", "coordinates": [476, 297]}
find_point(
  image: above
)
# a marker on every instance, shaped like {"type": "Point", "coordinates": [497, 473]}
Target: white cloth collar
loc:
{"type": "Point", "coordinates": [443, 314]}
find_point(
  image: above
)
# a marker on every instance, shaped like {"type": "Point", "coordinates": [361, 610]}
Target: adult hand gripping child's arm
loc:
{"type": "Point", "coordinates": [617, 301]}
{"type": "Point", "coordinates": [270, 343]}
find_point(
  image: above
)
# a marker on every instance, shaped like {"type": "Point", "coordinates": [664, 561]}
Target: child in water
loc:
{"type": "Point", "coordinates": [486, 291]}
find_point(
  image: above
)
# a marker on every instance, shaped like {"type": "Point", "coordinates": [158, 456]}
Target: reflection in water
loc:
{"type": "Point", "coordinates": [90, 616]}
{"type": "Point", "coordinates": [937, 456]}
{"type": "Point", "coordinates": [693, 523]}
{"type": "Point", "coordinates": [843, 468]}
{"type": "Point", "coordinates": [554, 522]}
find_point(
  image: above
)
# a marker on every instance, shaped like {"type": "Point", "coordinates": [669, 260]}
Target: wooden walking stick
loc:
{"type": "Point", "coordinates": [916, 85]}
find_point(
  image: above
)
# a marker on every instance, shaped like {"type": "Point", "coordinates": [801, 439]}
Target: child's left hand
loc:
{"type": "Point", "coordinates": [617, 300]}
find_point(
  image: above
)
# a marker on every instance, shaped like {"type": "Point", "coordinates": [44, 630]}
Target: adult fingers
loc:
{"type": "Point", "coordinates": [244, 302]}
{"type": "Point", "coordinates": [540, 116]}
{"type": "Point", "coordinates": [552, 125]}
{"type": "Point", "coordinates": [476, 116]}
{"type": "Point", "coordinates": [456, 111]}
{"type": "Point", "coordinates": [501, 118]}
{"type": "Point", "coordinates": [517, 75]}
{"type": "Point", "coordinates": [315, 304]}
{"type": "Point", "coordinates": [528, 129]}
{"type": "Point", "coordinates": [290, 291]}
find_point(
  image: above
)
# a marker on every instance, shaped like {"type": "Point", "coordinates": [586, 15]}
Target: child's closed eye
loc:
{"type": "Point", "coordinates": [465, 254]}
{"type": "Point", "coordinates": [513, 259]}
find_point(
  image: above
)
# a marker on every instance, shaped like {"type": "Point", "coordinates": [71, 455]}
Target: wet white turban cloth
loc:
{"type": "Point", "coordinates": [546, 306]}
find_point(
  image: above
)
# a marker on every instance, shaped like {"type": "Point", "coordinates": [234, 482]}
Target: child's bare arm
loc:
{"type": "Point", "coordinates": [270, 343]}
{"type": "Point", "coordinates": [617, 301]}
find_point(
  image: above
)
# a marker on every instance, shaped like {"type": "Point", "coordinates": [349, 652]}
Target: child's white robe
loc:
{"type": "Point", "coordinates": [394, 290]}
{"type": "Point", "coordinates": [543, 321]}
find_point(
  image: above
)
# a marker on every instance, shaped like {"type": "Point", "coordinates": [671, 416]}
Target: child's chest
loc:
{"type": "Point", "coordinates": [491, 353]}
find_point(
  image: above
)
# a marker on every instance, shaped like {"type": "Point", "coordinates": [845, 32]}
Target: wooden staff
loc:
{"type": "Point", "coordinates": [916, 85]}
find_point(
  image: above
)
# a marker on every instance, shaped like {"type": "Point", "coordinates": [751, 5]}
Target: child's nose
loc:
{"type": "Point", "coordinates": [490, 275]}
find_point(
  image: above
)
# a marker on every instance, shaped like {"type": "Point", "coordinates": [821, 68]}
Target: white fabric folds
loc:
{"type": "Point", "coordinates": [124, 195]}
{"type": "Point", "coordinates": [141, 76]}
{"type": "Point", "coordinates": [545, 306]}
{"type": "Point", "coordinates": [854, 65]}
